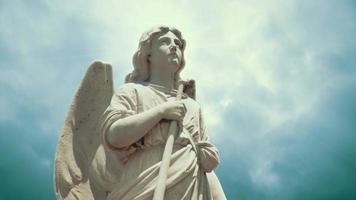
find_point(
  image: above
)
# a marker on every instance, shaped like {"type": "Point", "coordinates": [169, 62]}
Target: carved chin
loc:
{"type": "Point", "coordinates": [174, 62]}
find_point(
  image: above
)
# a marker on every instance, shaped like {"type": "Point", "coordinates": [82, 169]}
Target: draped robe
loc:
{"type": "Point", "coordinates": [193, 155]}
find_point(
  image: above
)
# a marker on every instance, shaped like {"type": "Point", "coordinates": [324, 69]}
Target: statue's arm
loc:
{"type": "Point", "coordinates": [208, 154]}
{"type": "Point", "coordinates": [128, 130]}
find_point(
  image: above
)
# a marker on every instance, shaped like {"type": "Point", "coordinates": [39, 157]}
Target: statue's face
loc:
{"type": "Point", "coordinates": [166, 52]}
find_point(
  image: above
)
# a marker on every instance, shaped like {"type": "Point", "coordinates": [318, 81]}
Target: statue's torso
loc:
{"type": "Point", "coordinates": [148, 151]}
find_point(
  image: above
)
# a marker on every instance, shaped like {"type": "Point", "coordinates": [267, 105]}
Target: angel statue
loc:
{"type": "Point", "coordinates": [113, 140]}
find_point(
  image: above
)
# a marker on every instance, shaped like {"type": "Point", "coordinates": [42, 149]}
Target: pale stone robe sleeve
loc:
{"type": "Point", "coordinates": [208, 154]}
{"type": "Point", "coordinates": [123, 104]}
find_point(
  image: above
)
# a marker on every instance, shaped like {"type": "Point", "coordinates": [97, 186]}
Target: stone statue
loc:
{"type": "Point", "coordinates": [112, 141]}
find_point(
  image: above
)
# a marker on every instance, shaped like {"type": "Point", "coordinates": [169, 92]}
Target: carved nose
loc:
{"type": "Point", "coordinates": [173, 48]}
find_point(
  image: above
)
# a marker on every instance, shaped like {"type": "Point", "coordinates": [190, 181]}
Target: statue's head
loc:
{"type": "Point", "coordinates": [161, 45]}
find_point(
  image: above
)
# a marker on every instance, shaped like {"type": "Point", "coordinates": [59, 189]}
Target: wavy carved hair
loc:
{"type": "Point", "coordinates": [140, 60]}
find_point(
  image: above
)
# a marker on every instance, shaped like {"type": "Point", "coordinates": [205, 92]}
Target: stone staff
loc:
{"type": "Point", "coordinates": [166, 158]}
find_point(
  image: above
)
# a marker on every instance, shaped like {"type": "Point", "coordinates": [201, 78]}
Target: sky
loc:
{"type": "Point", "coordinates": [276, 81]}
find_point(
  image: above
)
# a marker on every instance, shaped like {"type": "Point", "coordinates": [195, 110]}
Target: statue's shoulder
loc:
{"type": "Point", "coordinates": [130, 88]}
{"type": "Point", "coordinates": [195, 103]}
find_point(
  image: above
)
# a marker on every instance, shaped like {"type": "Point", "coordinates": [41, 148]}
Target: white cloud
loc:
{"type": "Point", "coordinates": [263, 176]}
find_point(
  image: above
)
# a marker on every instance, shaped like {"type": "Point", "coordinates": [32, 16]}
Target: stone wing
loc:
{"type": "Point", "coordinates": [80, 158]}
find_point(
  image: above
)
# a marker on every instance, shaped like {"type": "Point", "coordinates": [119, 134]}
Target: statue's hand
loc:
{"type": "Point", "coordinates": [209, 157]}
{"type": "Point", "coordinates": [173, 110]}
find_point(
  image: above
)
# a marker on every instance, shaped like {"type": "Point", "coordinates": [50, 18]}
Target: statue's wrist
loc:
{"type": "Point", "coordinates": [159, 111]}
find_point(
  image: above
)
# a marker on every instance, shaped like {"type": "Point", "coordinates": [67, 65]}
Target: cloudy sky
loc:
{"type": "Point", "coordinates": [276, 80]}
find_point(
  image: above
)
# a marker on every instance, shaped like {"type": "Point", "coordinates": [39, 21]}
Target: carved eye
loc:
{"type": "Point", "coordinates": [164, 41]}
{"type": "Point", "coordinates": [179, 44]}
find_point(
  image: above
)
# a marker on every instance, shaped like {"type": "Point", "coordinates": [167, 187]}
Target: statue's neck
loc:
{"type": "Point", "coordinates": [166, 81]}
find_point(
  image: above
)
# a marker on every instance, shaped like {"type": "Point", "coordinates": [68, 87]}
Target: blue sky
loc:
{"type": "Point", "coordinates": [276, 80]}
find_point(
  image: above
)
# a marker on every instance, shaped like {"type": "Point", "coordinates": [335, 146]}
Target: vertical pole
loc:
{"type": "Point", "coordinates": [166, 158]}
